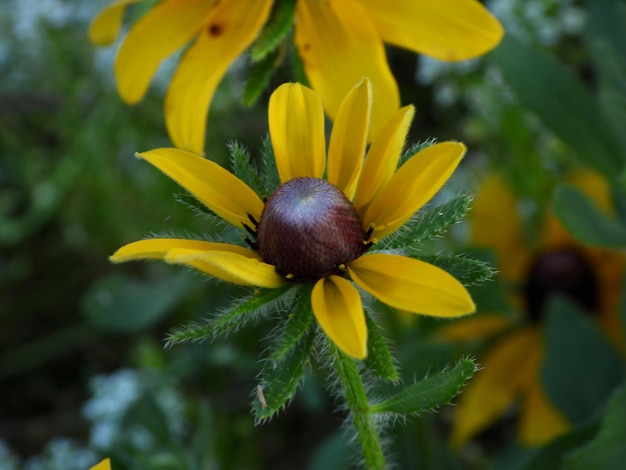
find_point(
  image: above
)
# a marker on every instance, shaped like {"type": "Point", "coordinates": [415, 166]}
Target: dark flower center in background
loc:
{"type": "Point", "coordinates": [566, 272]}
{"type": "Point", "coordinates": [309, 230]}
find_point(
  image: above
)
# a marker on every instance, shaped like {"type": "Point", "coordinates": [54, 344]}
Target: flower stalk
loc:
{"type": "Point", "coordinates": [356, 399]}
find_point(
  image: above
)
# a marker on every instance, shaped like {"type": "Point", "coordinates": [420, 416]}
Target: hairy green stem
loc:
{"type": "Point", "coordinates": [355, 396]}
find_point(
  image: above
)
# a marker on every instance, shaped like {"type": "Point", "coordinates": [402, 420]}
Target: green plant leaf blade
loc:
{"type": "Point", "coordinates": [429, 223]}
{"type": "Point", "coordinates": [468, 271]}
{"type": "Point", "coordinates": [608, 448]}
{"type": "Point", "coordinates": [259, 76]}
{"type": "Point", "coordinates": [578, 358]}
{"type": "Point", "coordinates": [585, 221]}
{"type": "Point", "coordinates": [294, 326]}
{"type": "Point", "coordinates": [379, 359]}
{"type": "Point", "coordinates": [280, 380]}
{"type": "Point", "coordinates": [122, 304]}
{"type": "Point", "coordinates": [562, 102]}
{"type": "Point", "coordinates": [276, 28]}
{"type": "Point", "coordinates": [430, 393]}
{"type": "Point", "coordinates": [231, 320]}
{"type": "Point", "coordinates": [551, 455]}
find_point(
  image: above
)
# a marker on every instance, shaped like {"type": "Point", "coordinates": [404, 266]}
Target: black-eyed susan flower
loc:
{"type": "Point", "coordinates": [339, 42]}
{"type": "Point", "coordinates": [555, 265]}
{"type": "Point", "coordinates": [321, 225]}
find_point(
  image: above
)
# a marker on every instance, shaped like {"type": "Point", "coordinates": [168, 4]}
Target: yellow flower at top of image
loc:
{"type": "Point", "coordinates": [557, 264]}
{"type": "Point", "coordinates": [320, 224]}
{"type": "Point", "coordinates": [339, 42]}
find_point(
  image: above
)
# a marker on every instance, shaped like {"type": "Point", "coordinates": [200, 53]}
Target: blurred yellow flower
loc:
{"type": "Point", "coordinates": [103, 465]}
{"type": "Point", "coordinates": [557, 264]}
{"type": "Point", "coordinates": [339, 42]}
{"type": "Point", "coordinates": [318, 226]}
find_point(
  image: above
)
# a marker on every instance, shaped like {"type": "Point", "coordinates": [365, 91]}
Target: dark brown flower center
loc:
{"type": "Point", "coordinates": [309, 230]}
{"type": "Point", "coordinates": [560, 272]}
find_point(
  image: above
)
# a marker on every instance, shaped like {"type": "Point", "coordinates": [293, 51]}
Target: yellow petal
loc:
{"type": "Point", "coordinates": [105, 27]}
{"type": "Point", "coordinates": [157, 248]}
{"type": "Point", "coordinates": [339, 312]}
{"type": "Point", "coordinates": [216, 188]}
{"type": "Point", "coordinates": [493, 388]}
{"type": "Point", "coordinates": [239, 268]}
{"type": "Point", "coordinates": [167, 27]}
{"type": "Point", "coordinates": [349, 137]}
{"type": "Point", "coordinates": [476, 327]}
{"type": "Point", "coordinates": [296, 121]}
{"type": "Point", "coordinates": [339, 45]}
{"type": "Point", "coordinates": [410, 284]}
{"type": "Point", "coordinates": [230, 28]}
{"type": "Point", "coordinates": [104, 465]}
{"type": "Point", "coordinates": [382, 158]}
{"type": "Point", "coordinates": [495, 205]}
{"type": "Point", "coordinates": [451, 30]}
{"type": "Point", "coordinates": [540, 421]}
{"type": "Point", "coordinates": [412, 186]}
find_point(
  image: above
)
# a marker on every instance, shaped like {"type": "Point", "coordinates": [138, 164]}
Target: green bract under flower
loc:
{"type": "Point", "coordinates": [317, 226]}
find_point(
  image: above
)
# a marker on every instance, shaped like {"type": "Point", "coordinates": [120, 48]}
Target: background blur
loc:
{"type": "Point", "coordinates": [83, 372]}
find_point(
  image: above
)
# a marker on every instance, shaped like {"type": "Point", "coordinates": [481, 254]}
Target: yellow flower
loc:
{"type": "Point", "coordinates": [339, 42]}
{"type": "Point", "coordinates": [317, 230]}
{"type": "Point", "coordinates": [103, 465]}
{"type": "Point", "coordinates": [511, 365]}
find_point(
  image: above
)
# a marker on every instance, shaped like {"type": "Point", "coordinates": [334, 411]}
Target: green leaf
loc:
{"type": "Point", "coordinates": [379, 359]}
{"type": "Point", "coordinates": [605, 21]}
{"type": "Point", "coordinates": [274, 31]}
{"type": "Point", "coordinates": [270, 175]}
{"type": "Point", "coordinates": [193, 204]}
{"type": "Point", "coordinates": [203, 441]}
{"type": "Point", "coordinates": [580, 369]}
{"type": "Point", "coordinates": [280, 380]}
{"type": "Point", "coordinates": [551, 455]}
{"type": "Point", "coordinates": [467, 271]}
{"type": "Point", "coordinates": [294, 326]}
{"type": "Point", "coordinates": [123, 304]}
{"type": "Point", "coordinates": [233, 319]}
{"type": "Point", "coordinates": [608, 449]}
{"type": "Point", "coordinates": [334, 452]}
{"type": "Point", "coordinates": [243, 167]}
{"type": "Point", "coordinates": [611, 83]}
{"type": "Point", "coordinates": [259, 76]}
{"type": "Point", "coordinates": [429, 223]}
{"type": "Point", "coordinates": [562, 102]}
{"type": "Point", "coordinates": [585, 221]}
{"type": "Point", "coordinates": [429, 393]}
